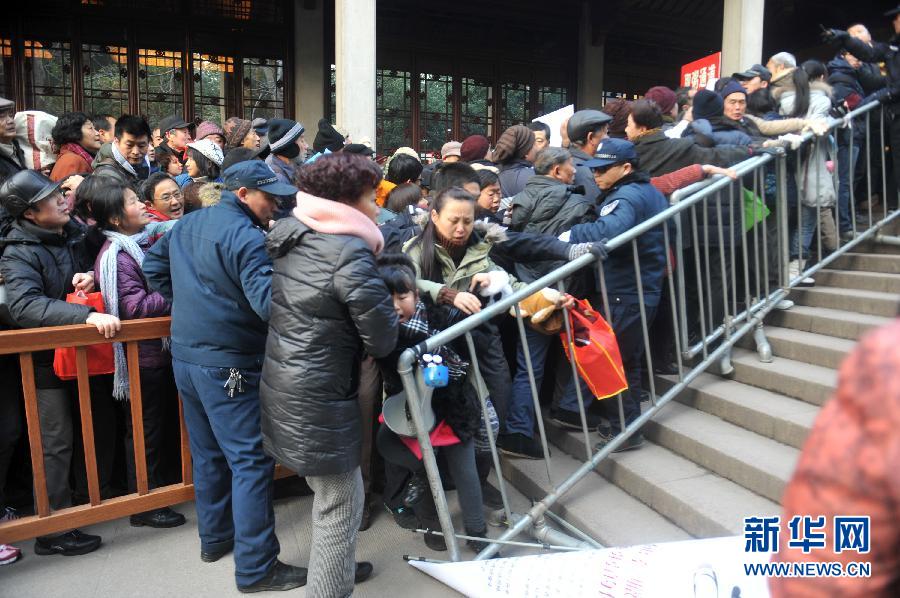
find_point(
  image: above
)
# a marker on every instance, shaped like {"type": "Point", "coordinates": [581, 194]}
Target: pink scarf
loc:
{"type": "Point", "coordinates": [336, 218]}
{"type": "Point", "coordinates": [80, 152]}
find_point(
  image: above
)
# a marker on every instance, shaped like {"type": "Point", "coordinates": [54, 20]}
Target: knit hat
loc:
{"type": "Point", "coordinates": [283, 133]}
{"type": "Point", "coordinates": [663, 96]}
{"type": "Point", "coordinates": [513, 144]}
{"type": "Point", "coordinates": [207, 128]}
{"type": "Point", "coordinates": [732, 87]}
{"type": "Point", "coordinates": [359, 148]}
{"type": "Point", "coordinates": [328, 138]}
{"type": "Point", "coordinates": [451, 148]}
{"type": "Point", "coordinates": [210, 149]}
{"type": "Point", "coordinates": [708, 104]}
{"type": "Point", "coordinates": [618, 109]}
{"type": "Point", "coordinates": [474, 147]}
{"type": "Point", "coordinates": [33, 130]}
{"type": "Point", "coordinates": [235, 131]}
{"type": "Point", "coordinates": [4, 104]}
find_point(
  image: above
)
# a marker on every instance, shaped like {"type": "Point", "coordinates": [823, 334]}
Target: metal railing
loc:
{"type": "Point", "coordinates": [731, 269]}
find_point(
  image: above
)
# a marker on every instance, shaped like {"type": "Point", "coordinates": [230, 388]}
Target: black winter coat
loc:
{"type": "Point", "coordinates": [38, 266]}
{"type": "Point", "coordinates": [513, 177]}
{"type": "Point", "coordinates": [550, 207]}
{"type": "Point", "coordinates": [583, 174]}
{"type": "Point", "coordinates": [328, 306]}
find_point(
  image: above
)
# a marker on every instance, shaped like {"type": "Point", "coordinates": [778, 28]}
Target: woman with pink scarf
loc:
{"type": "Point", "coordinates": [329, 306]}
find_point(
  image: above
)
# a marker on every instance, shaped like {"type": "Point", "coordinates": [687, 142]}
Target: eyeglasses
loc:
{"type": "Point", "coordinates": [170, 196]}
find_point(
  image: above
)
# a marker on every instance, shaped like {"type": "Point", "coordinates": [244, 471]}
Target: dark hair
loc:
{"type": "Point", "coordinates": [207, 167]}
{"type": "Point", "coordinates": [163, 154]}
{"type": "Point", "coordinates": [815, 69]}
{"type": "Point", "coordinates": [760, 102]}
{"type": "Point", "coordinates": [398, 273]}
{"type": "Point", "coordinates": [148, 189]}
{"type": "Point", "coordinates": [428, 265]}
{"type": "Point", "coordinates": [487, 178]}
{"type": "Point", "coordinates": [101, 121]}
{"type": "Point", "coordinates": [237, 154]}
{"type": "Point", "coordinates": [453, 174]}
{"type": "Point", "coordinates": [403, 169]}
{"type": "Point", "coordinates": [402, 196]}
{"type": "Point", "coordinates": [646, 113]}
{"type": "Point", "coordinates": [801, 93]}
{"type": "Point", "coordinates": [106, 198]}
{"type": "Point", "coordinates": [539, 126]}
{"type": "Point", "coordinates": [134, 126]}
{"type": "Point", "coordinates": [339, 177]}
{"type": "Point", "coordinates": [68, 128]}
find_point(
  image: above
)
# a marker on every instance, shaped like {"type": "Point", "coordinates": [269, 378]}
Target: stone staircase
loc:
{"type": "Point", "coordinates": [726, 447]}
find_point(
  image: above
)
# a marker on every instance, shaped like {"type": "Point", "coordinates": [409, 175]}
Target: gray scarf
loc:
{"type": "Point", "coordinates": [123, 162]}
{"type": "Point", "coordinates": [109, 287]}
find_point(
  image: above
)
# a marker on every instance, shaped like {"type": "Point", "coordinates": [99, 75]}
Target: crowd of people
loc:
{"type": "Point", "coordinates": [296, 275]}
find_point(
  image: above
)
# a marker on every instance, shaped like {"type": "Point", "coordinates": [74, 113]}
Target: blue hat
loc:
{"type": "Point", "coordinates": [254, 174]}
{"type": "Point", "coordinates": [612, 151]}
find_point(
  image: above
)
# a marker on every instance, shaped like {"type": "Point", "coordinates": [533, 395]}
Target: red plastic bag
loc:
{"type": "Point", "coordinates": [596, 351]}
{"type": "Point", "coordinates": [99, 357]}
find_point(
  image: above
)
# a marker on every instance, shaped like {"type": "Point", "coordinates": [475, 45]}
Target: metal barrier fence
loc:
{"type": "Point", "coordinates": [27, 342]}
{"type": "Point", "coordinates": [732, 266]}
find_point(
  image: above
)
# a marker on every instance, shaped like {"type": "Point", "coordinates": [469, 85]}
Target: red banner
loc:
{"type": "Point", "coordinates": [696, 74]}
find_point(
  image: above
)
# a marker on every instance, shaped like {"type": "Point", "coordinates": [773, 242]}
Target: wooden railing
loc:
{"type": "Point", "coordinates": [25, 343]}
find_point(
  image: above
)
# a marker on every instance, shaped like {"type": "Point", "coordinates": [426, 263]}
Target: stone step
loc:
{"type": "Point", "coordinates": [811, 383]}
{"type": "Point", "coordinates": [870, 262]}
{"type": "Point", "coordinates": [830, 322]}
{"type": "Point", "coordinates": [774, 416]}
{"type": "Point", "coordinates": [866, 281]}
{"type": "Point", "coordinates": [873, 247]}
{"type": "Point", "coordinates": [808, 347]}
{"type": "Point", "coordinates": [872, 303]}
{"type": "Point", "coordinates": [594, 505]}
{"type": "Point", "coordinates": [750, 460]}
{"type": "Point", "coordinates": [696, 500]}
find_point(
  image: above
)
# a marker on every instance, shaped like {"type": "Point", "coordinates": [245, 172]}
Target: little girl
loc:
{"type": "Point", "coordinates": [456, 407]}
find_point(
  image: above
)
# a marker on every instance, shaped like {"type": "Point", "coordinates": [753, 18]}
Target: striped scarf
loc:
{"type": "Point", "coordinates": [80, 152]}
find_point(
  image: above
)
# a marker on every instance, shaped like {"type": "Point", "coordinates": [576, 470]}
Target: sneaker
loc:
{"type": "Point", "coordinates": [404, 517]}
{"type": "Point", "coordinates": [477, 545]}
{"type": "Point", "coordinates": [490, 496]}
{"type": "Point", "coordinates": [784, 304]}
{"type": "Point", "coordinates": [159, 518]}
{"type": "Point", "coordinates": [9, 554]}
{"type": "Point", "coordinates": [71, 543]}
{"type": "Point", "coordinates": [847, 235]}
{"type": "Point", "coordinates": [572, 419]}
{"type": "Point", "coordinates": [520, 445]}
{"type": "Point", "coordinates": [607, 435]}
{"type": "Point", "coordinates": [280, 578]}
{"type": "Point", "coordinates": [794, 269]}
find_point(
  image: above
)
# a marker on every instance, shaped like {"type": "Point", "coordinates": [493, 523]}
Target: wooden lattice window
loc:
{"type": "Point", "coordinates": [513, 105]}
{"type": "Point", "coordinates": [435, 111]}
{"type": "Point", "coordinates": [476, 108]}
{"type": "Point", "coordinates": [104, 75]}
{"type": "Point", "coordinates": [393, 110]}
{"type": "Point", "coordinates": [6, 69]}
{"type": "Point", "coordinates": [213, 87]}
{"type": "Point", "coordinates": [48, 76]}
{"type": "Point", "coordinates": [550, 99]}
{"type": "Point", "coordinates": [263, 88]}
{"type": "Point", "coordinates": [160, 84]}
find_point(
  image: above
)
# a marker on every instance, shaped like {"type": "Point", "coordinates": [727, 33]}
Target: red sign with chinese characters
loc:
{"type": "Point", "coordinates": [696, 74]}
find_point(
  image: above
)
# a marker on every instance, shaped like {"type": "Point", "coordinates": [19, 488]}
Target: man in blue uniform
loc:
{"type": "Point", "coordinates": [214, 268]}
{"type": "Point", "coordinates": [626, 200]}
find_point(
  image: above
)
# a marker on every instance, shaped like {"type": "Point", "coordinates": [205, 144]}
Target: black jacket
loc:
{"type": "Point", "coordinates": [661, 155]}
{"type": "Point", "coordinates": [38, 266]}
{"type": "Point", "coordinates": [328, 306]}
{"type": "Point", "coordinates": [878, 52]}
{"type": "Point", "coordinates": [9, 165]}
{"type": "Point", "coordinates": [514, 176]}
{"type": "Point", "coordinates": [546, 206]}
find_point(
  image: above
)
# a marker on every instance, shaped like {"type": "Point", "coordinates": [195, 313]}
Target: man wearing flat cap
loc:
{"type": "Point", "coordinates": [176, 134]}
{"type": "Point", "coordinates": [754, 78]}
{"type": "Point", "coordinates": [586, 129]}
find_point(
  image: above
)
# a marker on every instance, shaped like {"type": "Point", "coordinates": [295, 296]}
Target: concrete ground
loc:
{"type": "Point", "coordinates": [143, 562]}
